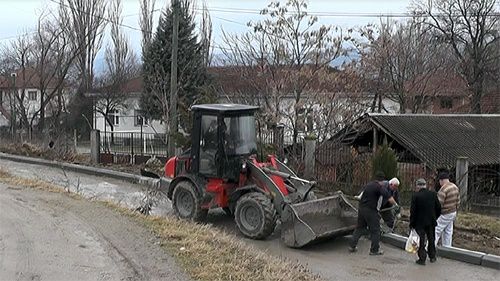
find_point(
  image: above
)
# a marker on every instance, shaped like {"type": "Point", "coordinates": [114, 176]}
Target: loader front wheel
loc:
{"type": "Point", "coordinates": [187, 203]}
{"type": "Point", "coordinates": [255, 215]}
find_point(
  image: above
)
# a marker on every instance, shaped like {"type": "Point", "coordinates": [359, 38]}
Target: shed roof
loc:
{"type": "Point", "coordinates": [438, 140]}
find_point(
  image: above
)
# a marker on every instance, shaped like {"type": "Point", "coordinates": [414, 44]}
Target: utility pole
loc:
{"type": "Point", "coordinates": [173, 80]}
{"type": "Point", "coordinates": [13, 116]}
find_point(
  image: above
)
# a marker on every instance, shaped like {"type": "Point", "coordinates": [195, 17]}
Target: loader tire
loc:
{"type": "Point", "coordinates": [186, 202]}
{"type": "Point", "coordinates": [255, 215]}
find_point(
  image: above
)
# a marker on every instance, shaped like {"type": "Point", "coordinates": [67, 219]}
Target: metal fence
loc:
{"type": "Point", "coordinates": [341, 167]}
{"type": "Point", "coordinates": [133, 143]}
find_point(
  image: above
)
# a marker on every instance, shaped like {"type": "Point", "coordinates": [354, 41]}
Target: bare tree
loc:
{"type": "Point", "coordinates": [146, 22]}
{"type": "Point", "coordinates": [339, 107]}
{"type": "Point", "coordinates": [121, 66]}
{"type": "Point", "coordinates": [282, 58]}
{"type": "Point", "coordinates": [18, 62]}
{"type": "Point", "coordinates": [403, 60]}
{"type": "Point", "coordinates": [206, 34]}
{"type": "Point", "coordinates": [54, 56]}
{"type": "Point", "coordinates": [471, 28]}
{"type": "Point", "coordinates": [85, 21]}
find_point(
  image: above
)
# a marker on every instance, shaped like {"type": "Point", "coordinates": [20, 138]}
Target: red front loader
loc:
{"type": "Point", "coordinates": [220, 170]}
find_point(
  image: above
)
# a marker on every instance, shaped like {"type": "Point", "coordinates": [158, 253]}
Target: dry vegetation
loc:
{"type": "Point", "coordinates": [7, 178]}
{"type": "Point", "coordinates": [32, 150]}
{"type": "Point", "coordinates": [471, 231]}
{"type": "Point", "coordinates": [206, 253]}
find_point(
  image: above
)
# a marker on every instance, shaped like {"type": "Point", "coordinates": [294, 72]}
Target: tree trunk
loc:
{"type": "Point", "coordinates": [477, 94]}
{"type": "Point", "coordinates": [41, 122]}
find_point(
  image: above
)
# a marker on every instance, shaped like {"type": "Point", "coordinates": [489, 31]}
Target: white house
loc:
{"type": "Point", "coordinates": [126, 116]}
{"type": "Point", "coordinates": [23, 86]}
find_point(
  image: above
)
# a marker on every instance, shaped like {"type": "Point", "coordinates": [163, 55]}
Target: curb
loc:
{"type": "Point", "coordinates": [459, 254]}
{"type": "Point", "coordinates": [137, 179]}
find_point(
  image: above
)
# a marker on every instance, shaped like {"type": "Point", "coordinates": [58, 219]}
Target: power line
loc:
{"type": "Point", "coordinates": [334, 14]}
{"type": "Point", "coordinates": [137, 14]}
{"type": "Point", "coordinates": [99, 17]}
{"type": "Point", "coordinates": [231, 21]}
{"type": "Point", "coordinates": [18, 36]}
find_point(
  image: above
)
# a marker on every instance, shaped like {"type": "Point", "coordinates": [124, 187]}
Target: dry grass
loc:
{"type": "Point", "coordinates": [206, 253]}
{"type": "Point", "coordinates": [33, 150]}
{"type": "Point", "coordinates": [479, 224]}
{"type": "Point", "coordinates": [8, 178]}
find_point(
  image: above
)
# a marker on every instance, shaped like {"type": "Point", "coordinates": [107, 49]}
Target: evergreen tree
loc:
{"type": "Point", "coordinates": [385, 160]}
{"type": "Point", "coordinates": [193, 80]}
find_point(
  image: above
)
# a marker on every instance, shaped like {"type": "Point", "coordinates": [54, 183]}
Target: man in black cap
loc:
{"type": "Point", "coordinates": [424, 211]}
{"type": "Point", "coordinates": [368, 215]}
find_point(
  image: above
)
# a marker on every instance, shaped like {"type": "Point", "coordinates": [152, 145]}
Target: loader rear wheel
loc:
{"type": "Point", "coordinates": [187, 203]}
{"type": "Point", "coordinates": [255, 215]}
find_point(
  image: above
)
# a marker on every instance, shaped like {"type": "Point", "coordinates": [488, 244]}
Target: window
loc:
{"type": "Point", "coordinates": [114, 117]}
{"type": "Point", "coordinates": [446, 102]}
{"type": "Point", "coordinates": [32, 95]}
{"type": "Point", "coordinates": [139, 118]}
{"type": "Point", "coordinates": [208, 145]}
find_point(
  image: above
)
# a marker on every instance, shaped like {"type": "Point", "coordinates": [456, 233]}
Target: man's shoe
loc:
{"type": "Point", "coordinates": [420, 262]}
{"type": "Point", "coordinates": [379, 253]}
{"type": "Point", "coordinates": [433, 260]}
{"type": "Point", "coordinates": [353, 249]}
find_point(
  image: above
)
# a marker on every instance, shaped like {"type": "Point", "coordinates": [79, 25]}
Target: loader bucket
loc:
{"type": "Point", "coordinates": [312, 221]}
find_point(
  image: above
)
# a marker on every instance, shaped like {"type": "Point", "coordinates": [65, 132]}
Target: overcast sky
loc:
{"type": "Point", "coordinates": [19, 16]}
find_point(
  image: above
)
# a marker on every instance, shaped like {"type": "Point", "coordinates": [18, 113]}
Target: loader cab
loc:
{"type": "Point", "coordinates": [223, 136]}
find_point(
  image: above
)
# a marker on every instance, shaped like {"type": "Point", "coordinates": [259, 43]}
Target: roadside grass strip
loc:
{"type": "Point", "coordinates": [205, 252]}
{"type": "Point", "coordinates": [479, 224]}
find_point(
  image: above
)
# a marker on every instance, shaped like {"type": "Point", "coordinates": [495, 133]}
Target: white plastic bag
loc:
{"type": "Point", "coordinates": [412, 242]}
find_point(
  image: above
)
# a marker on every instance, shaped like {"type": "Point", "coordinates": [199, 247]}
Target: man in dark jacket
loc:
{"type": "Point", "coordinates": [368, 215]}
{"type": "Point", "coordinates": [389, 216]}
{"type": "Point", "coordinates": [424, 211]}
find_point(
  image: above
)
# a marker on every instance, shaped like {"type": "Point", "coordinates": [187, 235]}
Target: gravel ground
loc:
{"type": "Point", "coordinates": [51, 236]}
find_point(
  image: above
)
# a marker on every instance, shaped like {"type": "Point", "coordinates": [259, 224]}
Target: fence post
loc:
{"type": "Point", "coordinates": [75, 140]}
{"type": "Point", "coordinates": [310, 148]}
{"type": "Point", "coordinates": [462, 176]}
{"type": "Point", "coordinates": [95, 146]}
{"type": "Point", "coordinates": [278, 140]}
{"type": "Point", "coordinates": [131, 148]}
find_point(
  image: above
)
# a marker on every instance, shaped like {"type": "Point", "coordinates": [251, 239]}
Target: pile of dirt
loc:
{"type": "Point", "coordinates": [473, 232]}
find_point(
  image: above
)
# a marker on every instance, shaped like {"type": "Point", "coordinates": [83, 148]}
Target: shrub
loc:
{"type": "Point", "coordinates": [385, 160]}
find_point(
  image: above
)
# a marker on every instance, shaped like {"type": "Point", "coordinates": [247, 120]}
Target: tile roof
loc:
{"type": "Point", "coordinates": [26, 78]}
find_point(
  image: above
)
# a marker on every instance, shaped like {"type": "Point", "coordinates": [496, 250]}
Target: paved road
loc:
{"type": "Point", "coordinates": [331, 259]}
{"type": "Point", "coordinates": [49, 236]}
